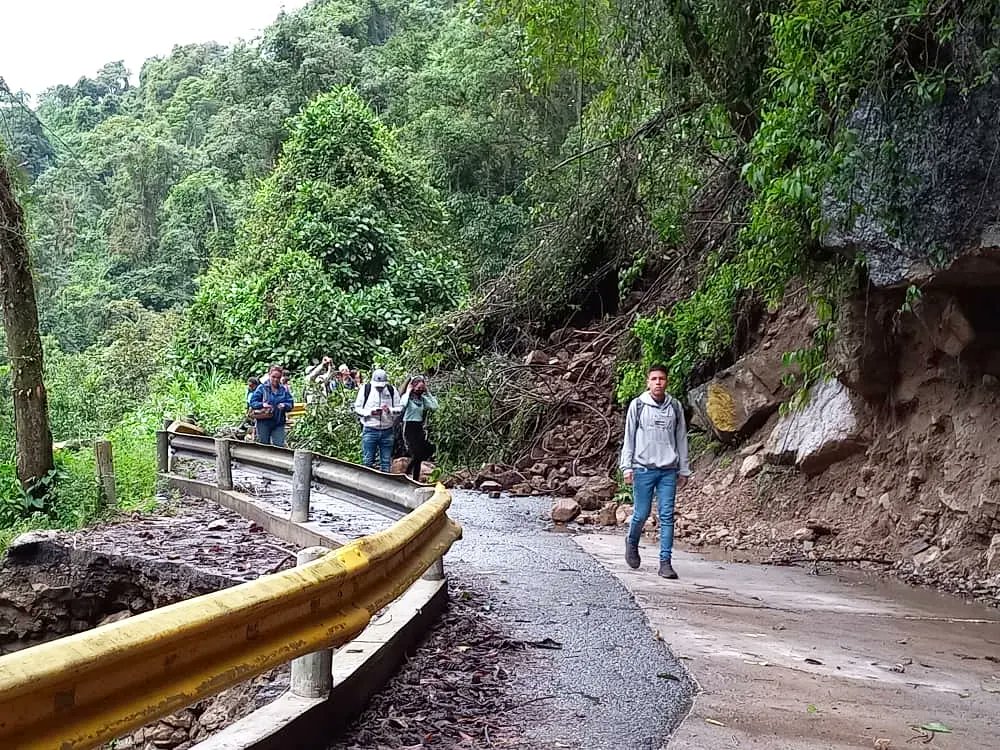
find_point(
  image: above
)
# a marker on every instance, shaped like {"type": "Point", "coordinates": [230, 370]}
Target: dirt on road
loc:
{"type": "Point", "coordinates": [786, 660]}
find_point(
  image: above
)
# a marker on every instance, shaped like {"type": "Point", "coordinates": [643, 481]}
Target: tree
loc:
{"type": "Point", "coordinates": [342, 251]}
{"type": "Point", "coordinates": [24, 344]}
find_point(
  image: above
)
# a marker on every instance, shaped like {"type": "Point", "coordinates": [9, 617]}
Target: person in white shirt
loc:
{"type": "Point", "coordinates": [377, 405]}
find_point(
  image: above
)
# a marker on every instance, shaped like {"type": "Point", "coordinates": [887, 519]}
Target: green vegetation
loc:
{"type": "Point", "coordinates": [437, 184]}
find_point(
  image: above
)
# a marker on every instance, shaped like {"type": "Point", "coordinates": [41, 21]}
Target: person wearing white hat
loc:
{"type": "Point", "coordinates": [377, 406]}
{"type": "Point", "coordinates": [344, 379]}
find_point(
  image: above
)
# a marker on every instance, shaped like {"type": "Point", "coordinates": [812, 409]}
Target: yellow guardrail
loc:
{"type": "Point", "coordinates": [86, 689]}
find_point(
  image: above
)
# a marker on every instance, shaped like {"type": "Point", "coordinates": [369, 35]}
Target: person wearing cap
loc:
{"type": "Point", "coordinates": [417, 403]}
{"type": "Point", "coordinates": [377, 405]}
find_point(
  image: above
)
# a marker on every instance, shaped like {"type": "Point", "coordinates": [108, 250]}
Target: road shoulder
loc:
{"type": "Point", "coordinates": [799, 662]}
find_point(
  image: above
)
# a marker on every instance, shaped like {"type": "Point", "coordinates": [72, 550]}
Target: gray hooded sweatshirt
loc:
{"type": "Point", "coordinates": [655, 436]}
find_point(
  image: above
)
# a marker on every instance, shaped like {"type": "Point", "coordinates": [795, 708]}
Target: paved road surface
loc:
{"type": "Point", "coordinates": [884, 657]}
{"type": "Point", "coordinates": [612, 686]}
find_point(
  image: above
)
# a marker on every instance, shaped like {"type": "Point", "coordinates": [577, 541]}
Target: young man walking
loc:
{"type": "Point", "coordinates": [654, 459]}
{"type": "Point", "coordinates": [377, 404]}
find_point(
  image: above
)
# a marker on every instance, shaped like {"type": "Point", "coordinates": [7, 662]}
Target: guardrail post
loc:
{"type": "Point", "coordinates": [223, 465]}
{"type": "Point", "coordinates": [312, 674]}
{"type": "Point", "coordinates": [104, 460]}
{"type": "Point", "coordinates": [163, 451]}
{"type": "Point", "coordinates": [301, 484]}
{"type": "Point", "coordinates": [436, 571]}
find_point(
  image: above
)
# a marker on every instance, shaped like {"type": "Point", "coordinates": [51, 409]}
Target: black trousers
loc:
{"type": "Point", "coordinates": [421, 449]}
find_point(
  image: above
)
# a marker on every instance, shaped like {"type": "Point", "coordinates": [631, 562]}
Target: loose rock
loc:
{"type": "Point", "coordinates": [565, 510]}
{"type": "Point", "coordinates": [752, 466]}
{"type": "Point", "coordinates": [608, 515]}
{"type": "Point", "coordinates": [826, 430]}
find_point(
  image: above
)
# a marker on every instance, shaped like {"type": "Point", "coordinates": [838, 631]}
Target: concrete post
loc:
{"type": "Point", "coordinates": [223, 465]}
{"type": "Point", "coordinates": [301, 484]}
{"type": "Point", "coordinates": [436, 571]}
{"type": "Point", "coordinates": [104, 460]}
{"type": "Point", "coordinates": [312, 674]}
{"type": "Point", "coordinates": [163, 451]}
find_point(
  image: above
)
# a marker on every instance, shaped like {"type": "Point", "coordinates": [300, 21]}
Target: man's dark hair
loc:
{"type": "Point", "coordinates": [658, 368]}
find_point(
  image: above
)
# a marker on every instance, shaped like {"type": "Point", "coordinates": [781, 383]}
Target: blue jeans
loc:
{"type": "Point", "coordinates": [269, 433]}
{"type": "Point", "coordinates": [380, 440]}
{"type": "Point", "coordinates": [644, 482]}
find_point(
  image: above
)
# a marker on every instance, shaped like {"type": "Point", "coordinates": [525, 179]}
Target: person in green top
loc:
{"type": "Point", "coordinates": [417, 403]}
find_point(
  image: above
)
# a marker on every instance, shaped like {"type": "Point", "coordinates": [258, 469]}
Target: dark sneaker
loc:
{"type": "Point", "coordinates": [667, 570]}
{"type": "Point", "coordinates": [632, 555]}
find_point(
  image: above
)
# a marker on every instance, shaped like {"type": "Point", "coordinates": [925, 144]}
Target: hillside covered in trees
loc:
{"type": "Point", "coordinates": [446, 187]}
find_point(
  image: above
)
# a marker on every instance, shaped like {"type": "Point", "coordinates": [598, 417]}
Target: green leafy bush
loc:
{"type": "Point", "coordinates": [330, 427]}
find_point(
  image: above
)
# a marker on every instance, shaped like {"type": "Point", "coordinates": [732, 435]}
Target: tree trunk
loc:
{"type": "Point", "coordinates": [24, 344]}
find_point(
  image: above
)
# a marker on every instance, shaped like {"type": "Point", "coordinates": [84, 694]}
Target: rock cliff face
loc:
{"type": "Point", "coordinates": [901, 447]}
{"type": "Point", "coordinates": [921, 202]}
{"type": "Point", "coordinates": [900, 452]}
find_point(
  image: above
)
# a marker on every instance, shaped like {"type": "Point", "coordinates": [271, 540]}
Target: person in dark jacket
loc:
{"type": "Point", "coordinates": [271, 403]}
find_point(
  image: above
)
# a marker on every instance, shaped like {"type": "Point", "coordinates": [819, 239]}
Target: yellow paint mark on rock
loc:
{"type": "Point", "coordinates": [721, 408]}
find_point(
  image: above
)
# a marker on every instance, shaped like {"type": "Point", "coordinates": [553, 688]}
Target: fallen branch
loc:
{"type": "Point", "coordinates": [794, 559]}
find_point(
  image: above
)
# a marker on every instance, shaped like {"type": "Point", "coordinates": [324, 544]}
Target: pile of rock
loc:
{"type": "Point", "coordinates": [595, 495]}
{"type": "Point", "coordinates": [550, 476]}
{"type": "Point", "coordinates": [580, 426]}
{"type": "Point", "coordinates": [183, 729]}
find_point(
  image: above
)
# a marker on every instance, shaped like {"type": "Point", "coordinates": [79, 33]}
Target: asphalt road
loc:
{"type": "Point", "coordinates": [611, 684]}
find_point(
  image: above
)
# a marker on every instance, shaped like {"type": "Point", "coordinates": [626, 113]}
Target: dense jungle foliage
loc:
{"type": "Point", "coordinates": [428, 184]}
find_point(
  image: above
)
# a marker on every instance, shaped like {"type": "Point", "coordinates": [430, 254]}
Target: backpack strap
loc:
{"type": "Point", "coordinates": [677, 426]}
{"type": "Point", "coordinates": [638, 416]}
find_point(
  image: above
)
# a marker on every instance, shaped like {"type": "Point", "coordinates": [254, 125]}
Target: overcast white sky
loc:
{"type": "Point", "coordinates": [47, 42]}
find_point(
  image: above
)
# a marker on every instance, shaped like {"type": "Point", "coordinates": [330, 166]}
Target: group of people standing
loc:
{"type": "Point", "coordinates": [323, 380]}
{"type": "Point", "coordinates": [653, 461]}
{"type": "Point", "coordinates": [382, 410]}
{"type": "Point", "coordinates": [386, 414]}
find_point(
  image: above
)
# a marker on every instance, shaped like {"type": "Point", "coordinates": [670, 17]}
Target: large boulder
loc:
{"type": "Point", "coordinates": [828, 429]}
{"type": "Point", "coordinates": [564, 510]}
{"type": "Point", "coordinates": [925, 203]}
{"type": "Point", "coordinates": [596, 492]}
{"type": "Point", "coordinates": [861, 354]}
{"type": "Point", "coordinates": [740, 399]}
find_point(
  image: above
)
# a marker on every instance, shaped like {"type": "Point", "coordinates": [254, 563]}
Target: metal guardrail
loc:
{"type": "Point", "coordinates": [391, 495]}
{"type": "Point", "coordinates": [85, 689]}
